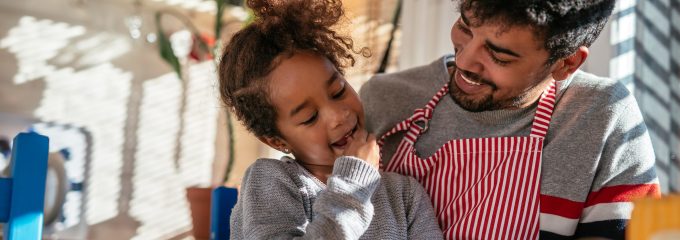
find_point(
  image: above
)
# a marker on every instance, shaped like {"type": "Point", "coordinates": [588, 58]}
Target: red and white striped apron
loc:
{"type": "Point", "coordinates": [482, 188]}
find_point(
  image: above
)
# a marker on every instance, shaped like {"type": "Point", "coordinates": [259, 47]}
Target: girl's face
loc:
{"type": "Point", "coordinates": [318, 112]}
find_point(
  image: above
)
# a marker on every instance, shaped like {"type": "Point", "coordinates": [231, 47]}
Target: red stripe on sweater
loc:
{"type": "Point", "coordinates": [622, 193]}
{"type": "Point", "coordinates": [561, 207]}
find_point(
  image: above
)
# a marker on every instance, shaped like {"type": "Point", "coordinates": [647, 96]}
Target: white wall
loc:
{"type": "Point", "coordinates": [426, 27]}
{"type": "Point", "coordinates": [600, 54]}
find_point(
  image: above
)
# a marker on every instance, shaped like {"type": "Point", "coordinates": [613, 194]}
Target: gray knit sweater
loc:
{"type": "Point", "coordinates": [279, 199]}
{"type": "Point", "coordinates": [597, 154]}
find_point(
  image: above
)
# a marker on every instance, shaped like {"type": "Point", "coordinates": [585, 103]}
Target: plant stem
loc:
{"type": "Point", "coordinates": [230, 133]}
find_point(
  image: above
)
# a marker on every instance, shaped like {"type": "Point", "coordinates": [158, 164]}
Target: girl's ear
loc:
{"type": "Point", "coordinates": [276, 143]}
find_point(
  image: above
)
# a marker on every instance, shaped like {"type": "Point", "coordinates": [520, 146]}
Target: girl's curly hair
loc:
{"type": "Point", "coordinates": [281, 29]}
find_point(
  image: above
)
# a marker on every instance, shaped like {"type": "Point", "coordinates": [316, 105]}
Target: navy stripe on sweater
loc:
{"type": "Point", "coordinates": [552, 236]}
{"type": "Point", "coordinates": [611, 229]}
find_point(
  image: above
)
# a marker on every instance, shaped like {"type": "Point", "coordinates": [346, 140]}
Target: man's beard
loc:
{"type": "Point", "coordinates": [472, 105]}
{"type": "Point", "coordinates": [485, 103]}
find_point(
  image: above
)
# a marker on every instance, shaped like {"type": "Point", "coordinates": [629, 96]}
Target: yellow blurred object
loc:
{"type": "Point", "coordinates": [655, 219]}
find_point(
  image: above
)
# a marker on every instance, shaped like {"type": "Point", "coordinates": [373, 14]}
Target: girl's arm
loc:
{"type": "Point", "coordinates": [274, 204]}
{"type": "Point", "coordinates": [421, 217]}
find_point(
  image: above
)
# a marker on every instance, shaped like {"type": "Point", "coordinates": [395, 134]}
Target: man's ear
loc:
{"type": "Point", "coordinates": [566, 66]}
{"type": "Point", "coordinates": [276, 143]}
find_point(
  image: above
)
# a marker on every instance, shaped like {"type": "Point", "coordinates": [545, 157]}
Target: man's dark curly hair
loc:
{"type": "Point", "coordinates": [564, 25]}
{"type": "Point", "coordinates": [281, 29]}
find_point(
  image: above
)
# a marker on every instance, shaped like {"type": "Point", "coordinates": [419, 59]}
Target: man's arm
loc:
{"type": "Point", "coordinates": [625, 172]}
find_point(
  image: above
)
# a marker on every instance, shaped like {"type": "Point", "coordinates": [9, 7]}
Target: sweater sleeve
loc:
{"type": "Point", "coordinates": [624, 173]}
{"type": "Point", "coordinates": [422, 222]}
{"type": "Point", "coordinates": [273, 205]}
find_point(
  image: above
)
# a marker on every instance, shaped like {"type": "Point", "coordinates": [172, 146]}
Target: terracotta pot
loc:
{"type": "Point", "coordinates": [199, 202]}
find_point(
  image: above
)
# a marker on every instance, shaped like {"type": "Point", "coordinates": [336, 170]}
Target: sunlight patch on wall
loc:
{"type": "Point", "coordinates": [198, 5]}
{"type": "Point", "coordinates": [158, 199]}
{"type": "Point", "coordinates": [34, 42]}
{"type": "Point", "coordinates": [101, 48]}
{"type": "Point", "coordinates": [93, 94]}
{"type": "Point", "coordinates": [200, 125]}
{"type": "Point", "coordinates": [161, 172]}
{"type": "Point", "coordinates": [96, 99]}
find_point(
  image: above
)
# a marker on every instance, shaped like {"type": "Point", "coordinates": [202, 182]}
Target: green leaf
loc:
{"type": "Point", "coordinates": [235, 2]}
{"type": "Point", "coordinates": [218, 18]}
{"type": "Point", "coordinates": [165, 48]}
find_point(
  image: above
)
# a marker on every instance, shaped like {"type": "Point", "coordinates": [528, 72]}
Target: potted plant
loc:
{"type": "Point", "coordinates": [204, 47]}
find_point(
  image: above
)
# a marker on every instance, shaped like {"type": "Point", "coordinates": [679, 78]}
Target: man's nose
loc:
{"type": "Point", "coordinates": [468, 57]}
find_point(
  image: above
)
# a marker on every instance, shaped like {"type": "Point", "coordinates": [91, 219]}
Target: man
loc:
{"type": "Point", "coordinates": [508, 137]}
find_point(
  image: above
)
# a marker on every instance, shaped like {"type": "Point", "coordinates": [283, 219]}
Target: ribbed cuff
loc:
{"type": "Point", "coordinates": [355, 170]}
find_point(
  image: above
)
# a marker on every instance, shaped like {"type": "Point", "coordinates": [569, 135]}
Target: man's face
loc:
{"type": "Point", "coordinates": [497, 67]}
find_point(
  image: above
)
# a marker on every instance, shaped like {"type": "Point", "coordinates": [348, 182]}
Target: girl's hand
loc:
{"type": "Point", "coordinates": [365, 147]}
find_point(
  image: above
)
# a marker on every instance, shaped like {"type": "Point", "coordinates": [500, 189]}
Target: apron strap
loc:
{"type": "Point", "coordinates": [544, 111]}
{"type": "Point", "coordinates": [418, 122]}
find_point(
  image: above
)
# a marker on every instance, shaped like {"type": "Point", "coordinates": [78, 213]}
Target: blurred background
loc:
{"type": "Point", "coordinates": [132, 129]}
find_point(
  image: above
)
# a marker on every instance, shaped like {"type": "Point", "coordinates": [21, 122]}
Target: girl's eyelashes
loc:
{"type": "Point", "coordinates": [311, 119]}
{"type": "Point", "coordinates": [340, 93]}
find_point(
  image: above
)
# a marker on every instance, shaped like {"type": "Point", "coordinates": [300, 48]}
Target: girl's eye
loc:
{"type": "Point", "coordinates": [311, 119]}
{"type": "Point", "coordinates": [340, 93]}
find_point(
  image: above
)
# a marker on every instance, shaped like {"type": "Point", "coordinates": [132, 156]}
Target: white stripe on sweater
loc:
{"type": "Point", "coordinates": [557, 224]}
{"type": "Point", "coordinates": [607, 211]}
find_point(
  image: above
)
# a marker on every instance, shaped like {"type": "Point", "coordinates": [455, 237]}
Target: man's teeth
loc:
{"type": "Point", "coordinates": [468, 81]}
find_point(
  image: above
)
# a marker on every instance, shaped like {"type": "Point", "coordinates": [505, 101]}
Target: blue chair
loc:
{"type": "Point", "coordinates": [222, 201]}
{"type": "Point", "coordinates": [22, 195]}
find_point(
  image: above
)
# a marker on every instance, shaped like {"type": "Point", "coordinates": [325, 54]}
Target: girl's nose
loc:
{"type": "Point", "coordinates": [339, 115]}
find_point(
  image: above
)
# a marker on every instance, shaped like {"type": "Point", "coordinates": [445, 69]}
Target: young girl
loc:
{"type": "Point", "coordinates": [282, 77]}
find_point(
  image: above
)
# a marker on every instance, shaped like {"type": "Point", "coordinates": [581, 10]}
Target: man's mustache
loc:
{"type": "Point", "coordinates": [475, 77]}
